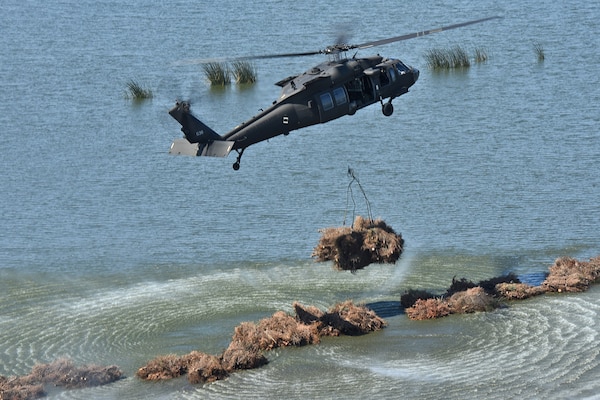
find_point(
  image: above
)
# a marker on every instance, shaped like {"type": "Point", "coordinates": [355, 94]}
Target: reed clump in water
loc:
{"type": "Point", "coordinates": [351, 248]}
{"type": "Point", "coordinates": [480, 55]}
{"type": "Point", "coordinates": [539, 51]}
{"type": "Point", "coordinates": [244, 72]}
{"type": "Point", "coordinates": [218, 74]}
{"type": "Point", "coordinates": [454, 57]}
{"type": "Point", "coordinates": [250, 340]}
{"type": "Point", "coordinates": [137, 91]}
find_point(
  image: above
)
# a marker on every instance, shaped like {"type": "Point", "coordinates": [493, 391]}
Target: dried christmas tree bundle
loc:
{"type": "Point", "coordinates": [366, 242]}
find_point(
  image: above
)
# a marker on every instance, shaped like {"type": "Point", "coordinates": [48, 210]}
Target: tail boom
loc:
{"type": "Point", "coordinates": [199, 139]}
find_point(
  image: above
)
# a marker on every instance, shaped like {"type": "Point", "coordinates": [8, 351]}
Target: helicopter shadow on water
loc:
{"type": "Point", "coordinates": [386, 308]}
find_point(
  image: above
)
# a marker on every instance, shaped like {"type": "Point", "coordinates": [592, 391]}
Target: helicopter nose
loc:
{"type": "Point", "coordinates": [415, 73]}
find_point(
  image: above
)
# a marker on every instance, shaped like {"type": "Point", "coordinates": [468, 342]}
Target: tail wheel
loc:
{"type": "Point", "coordinates": [387, 109]}
{"type": "Point", "coordinates": [236, 164]}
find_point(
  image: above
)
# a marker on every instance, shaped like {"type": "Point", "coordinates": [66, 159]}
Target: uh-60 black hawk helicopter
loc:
{"type": "Point", "coordinates": [330, 90]}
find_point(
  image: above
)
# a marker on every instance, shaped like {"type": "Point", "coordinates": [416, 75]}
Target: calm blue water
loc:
{"type": "Point", "coordinates": [114, 252]}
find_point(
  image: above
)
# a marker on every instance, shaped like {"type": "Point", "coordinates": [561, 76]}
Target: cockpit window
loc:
{"type": "Point", "coordinates": [401, 68]}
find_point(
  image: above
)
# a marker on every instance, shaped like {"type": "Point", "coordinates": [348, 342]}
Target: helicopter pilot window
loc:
{"type": "Point", "coordinates": [326, 101]}
{"type": "Point", "coordinates": [402, 69]}
{"type": "Point", "coordinates": [339, 94]}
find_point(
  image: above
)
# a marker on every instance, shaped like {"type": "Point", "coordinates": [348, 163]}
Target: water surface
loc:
{"type": "Point", "coordinates": [113, 252]}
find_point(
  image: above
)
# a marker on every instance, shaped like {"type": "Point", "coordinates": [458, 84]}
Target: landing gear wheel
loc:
{"type": "Point", "coordinates": [387, 109]}
{"type": "Point", "coordinates": [236, 166]}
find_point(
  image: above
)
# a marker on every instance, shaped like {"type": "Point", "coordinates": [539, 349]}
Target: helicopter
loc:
{"type": "Point", "coordinates": [330, 90]}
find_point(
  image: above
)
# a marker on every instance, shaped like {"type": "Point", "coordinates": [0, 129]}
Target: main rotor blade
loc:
{"type": "Point", "coordinates": [338, 47]}
{"type": "Point", "coordinates": [196, 61]}
{"type": "Point", "coordinates": [418, 34]}
{"type": "Point", "coordinates": [282, 55]}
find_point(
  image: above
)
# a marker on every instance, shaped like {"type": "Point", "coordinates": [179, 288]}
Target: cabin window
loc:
{"type": "Point", "coordinates": [339, 94]}
{"type": "Point", "coordinates": [383, 78]}
{"type": "Point", "coordinates": [326, 101]}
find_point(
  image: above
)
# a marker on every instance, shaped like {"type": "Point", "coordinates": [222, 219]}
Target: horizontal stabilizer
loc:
{"type": "Point", "coordinates": [218, 148]}
{"type": "Point", "coordinates": [183, 147]}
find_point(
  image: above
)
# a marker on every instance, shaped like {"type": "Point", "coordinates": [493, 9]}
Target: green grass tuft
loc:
{"type": "Point", "coordinates": [218, 74]}
{"type": "Point", "coordinates": [481, 55]}
{"type": "Point", "coordinates": [539, 51]}
{"type": "Point", "coordinates": [455, 57]}
{"type": "Point", "coordinates": [244, 72]}
{"type": "Point", "coordinates": [137, 91]}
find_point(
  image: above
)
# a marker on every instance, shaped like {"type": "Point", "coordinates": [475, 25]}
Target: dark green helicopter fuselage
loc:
{"type": "Point", "coordinates": [326, 92]}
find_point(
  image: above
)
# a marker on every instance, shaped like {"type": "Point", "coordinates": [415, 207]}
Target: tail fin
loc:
{"type": "Point", "coordinates": [195, 131]}
{"type": "Point", "coordinates": [201, 140]}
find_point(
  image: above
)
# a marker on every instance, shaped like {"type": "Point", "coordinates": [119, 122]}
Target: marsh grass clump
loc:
{"type": "Point", "coordinates": [137, 91]}
{"type": "Point", "coordinates": [539, 51]}
{"type": "Point", "coordinates": [244, 72]}
{"type": "Point", "coordinates": [455, 57]}
{"type": "Point", "coordinates": [218, 74]}
{"type": "Point", "coordinates": [480, 56]}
